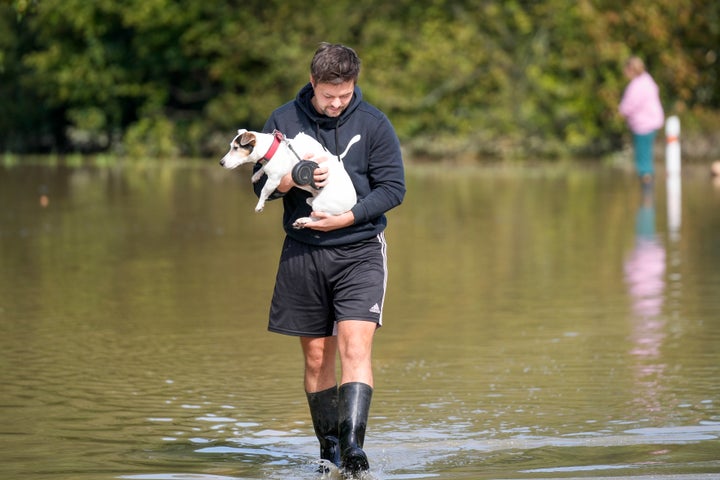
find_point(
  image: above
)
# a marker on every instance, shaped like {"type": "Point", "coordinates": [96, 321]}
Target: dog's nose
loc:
{"type": "Point", "coordinates": [222, 163]}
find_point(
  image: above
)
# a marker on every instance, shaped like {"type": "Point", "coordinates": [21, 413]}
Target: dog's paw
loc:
{"type": "Point", "coordinates": [260, 205]}
{"type": "Point", "coordinates": [301, 222]}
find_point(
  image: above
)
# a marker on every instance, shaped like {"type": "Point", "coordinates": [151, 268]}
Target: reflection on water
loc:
{"type": "Point", "coordinates": [538, 325]}
{"type": "Point", "coordinates": [645, 270]}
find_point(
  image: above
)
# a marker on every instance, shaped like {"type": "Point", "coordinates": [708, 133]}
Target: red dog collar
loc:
{"type": "Point", "coordinates": [279, 137]}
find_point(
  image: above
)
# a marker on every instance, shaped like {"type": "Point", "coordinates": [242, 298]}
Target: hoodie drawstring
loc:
{"type": "Point", "coordinates": [337, 139]}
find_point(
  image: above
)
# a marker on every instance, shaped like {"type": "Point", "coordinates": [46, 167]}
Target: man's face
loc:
{"type": "Point", "coordinates": [331, 99]}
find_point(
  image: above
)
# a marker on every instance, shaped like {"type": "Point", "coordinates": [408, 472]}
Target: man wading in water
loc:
{"type": "Point", "coordinates": [332, 276]}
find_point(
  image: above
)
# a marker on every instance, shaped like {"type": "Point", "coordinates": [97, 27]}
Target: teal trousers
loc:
{"type": "Point", "coordinates": [643, 145]}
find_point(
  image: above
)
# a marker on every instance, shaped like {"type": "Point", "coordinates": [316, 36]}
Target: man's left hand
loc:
{"type": "Point", "coordinates": [326, 222]}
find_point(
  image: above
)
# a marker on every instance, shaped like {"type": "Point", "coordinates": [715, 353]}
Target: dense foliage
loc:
{"type": "Point", "coordinates": [504, 78]}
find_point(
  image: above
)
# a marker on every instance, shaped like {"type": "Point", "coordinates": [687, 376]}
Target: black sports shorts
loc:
{"type": "Point", "coordinates": [317, 286]}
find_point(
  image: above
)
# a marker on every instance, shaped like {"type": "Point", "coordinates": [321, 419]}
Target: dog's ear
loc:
{"type": "Point", "coordinates": [246, 138]}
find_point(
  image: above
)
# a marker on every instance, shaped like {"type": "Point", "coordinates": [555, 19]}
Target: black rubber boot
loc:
{"type": "Point", "coordinates": [324, 413]}
{"type": "Point", "coordinates": [354, 406]}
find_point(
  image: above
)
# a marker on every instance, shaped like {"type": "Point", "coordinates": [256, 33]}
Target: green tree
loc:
{"type": "Point", "coordinates": [492, 78]}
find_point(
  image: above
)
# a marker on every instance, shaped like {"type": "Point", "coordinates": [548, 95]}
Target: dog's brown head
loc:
{"type": "Point", "coordinates": [241, 150]}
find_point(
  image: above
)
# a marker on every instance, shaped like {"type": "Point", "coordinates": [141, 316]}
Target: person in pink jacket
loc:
{"type": "Point", "coordinates": [641, 107]}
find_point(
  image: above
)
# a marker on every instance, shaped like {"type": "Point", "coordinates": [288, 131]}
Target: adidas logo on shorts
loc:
{"type": "Point", "coordinates": [375, 308]}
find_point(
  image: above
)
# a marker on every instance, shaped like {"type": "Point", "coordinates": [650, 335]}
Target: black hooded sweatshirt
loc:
{"type": "Point", "coordinates": [374, 164]}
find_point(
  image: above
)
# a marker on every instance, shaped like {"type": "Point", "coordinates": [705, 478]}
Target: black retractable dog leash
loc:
{"type": "Point", "coordinates": [302, 172]}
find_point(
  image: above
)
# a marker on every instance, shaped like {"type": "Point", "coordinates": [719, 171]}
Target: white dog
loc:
{"type": "Point", "coordinates": [280, 156]}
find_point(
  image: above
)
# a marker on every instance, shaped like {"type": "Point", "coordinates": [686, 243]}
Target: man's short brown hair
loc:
{"type": "Point", "coordinates": [335, 63]}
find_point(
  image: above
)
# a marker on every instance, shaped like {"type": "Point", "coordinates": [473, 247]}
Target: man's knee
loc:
{"type": "Point", "coordinates": [319, 355]}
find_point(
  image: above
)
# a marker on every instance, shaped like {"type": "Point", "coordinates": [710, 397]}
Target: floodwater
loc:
{"type": "Point", "coordinates": [541, 322]}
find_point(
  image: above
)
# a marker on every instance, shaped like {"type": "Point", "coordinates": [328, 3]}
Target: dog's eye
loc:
{"type": "Point", "coordinates": [236, 147]}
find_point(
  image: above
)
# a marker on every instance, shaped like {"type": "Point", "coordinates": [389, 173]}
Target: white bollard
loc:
{"type": "Point", "coordinates": [672, 150]}
{"type": "Point", "coordinates": [674, 188]}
